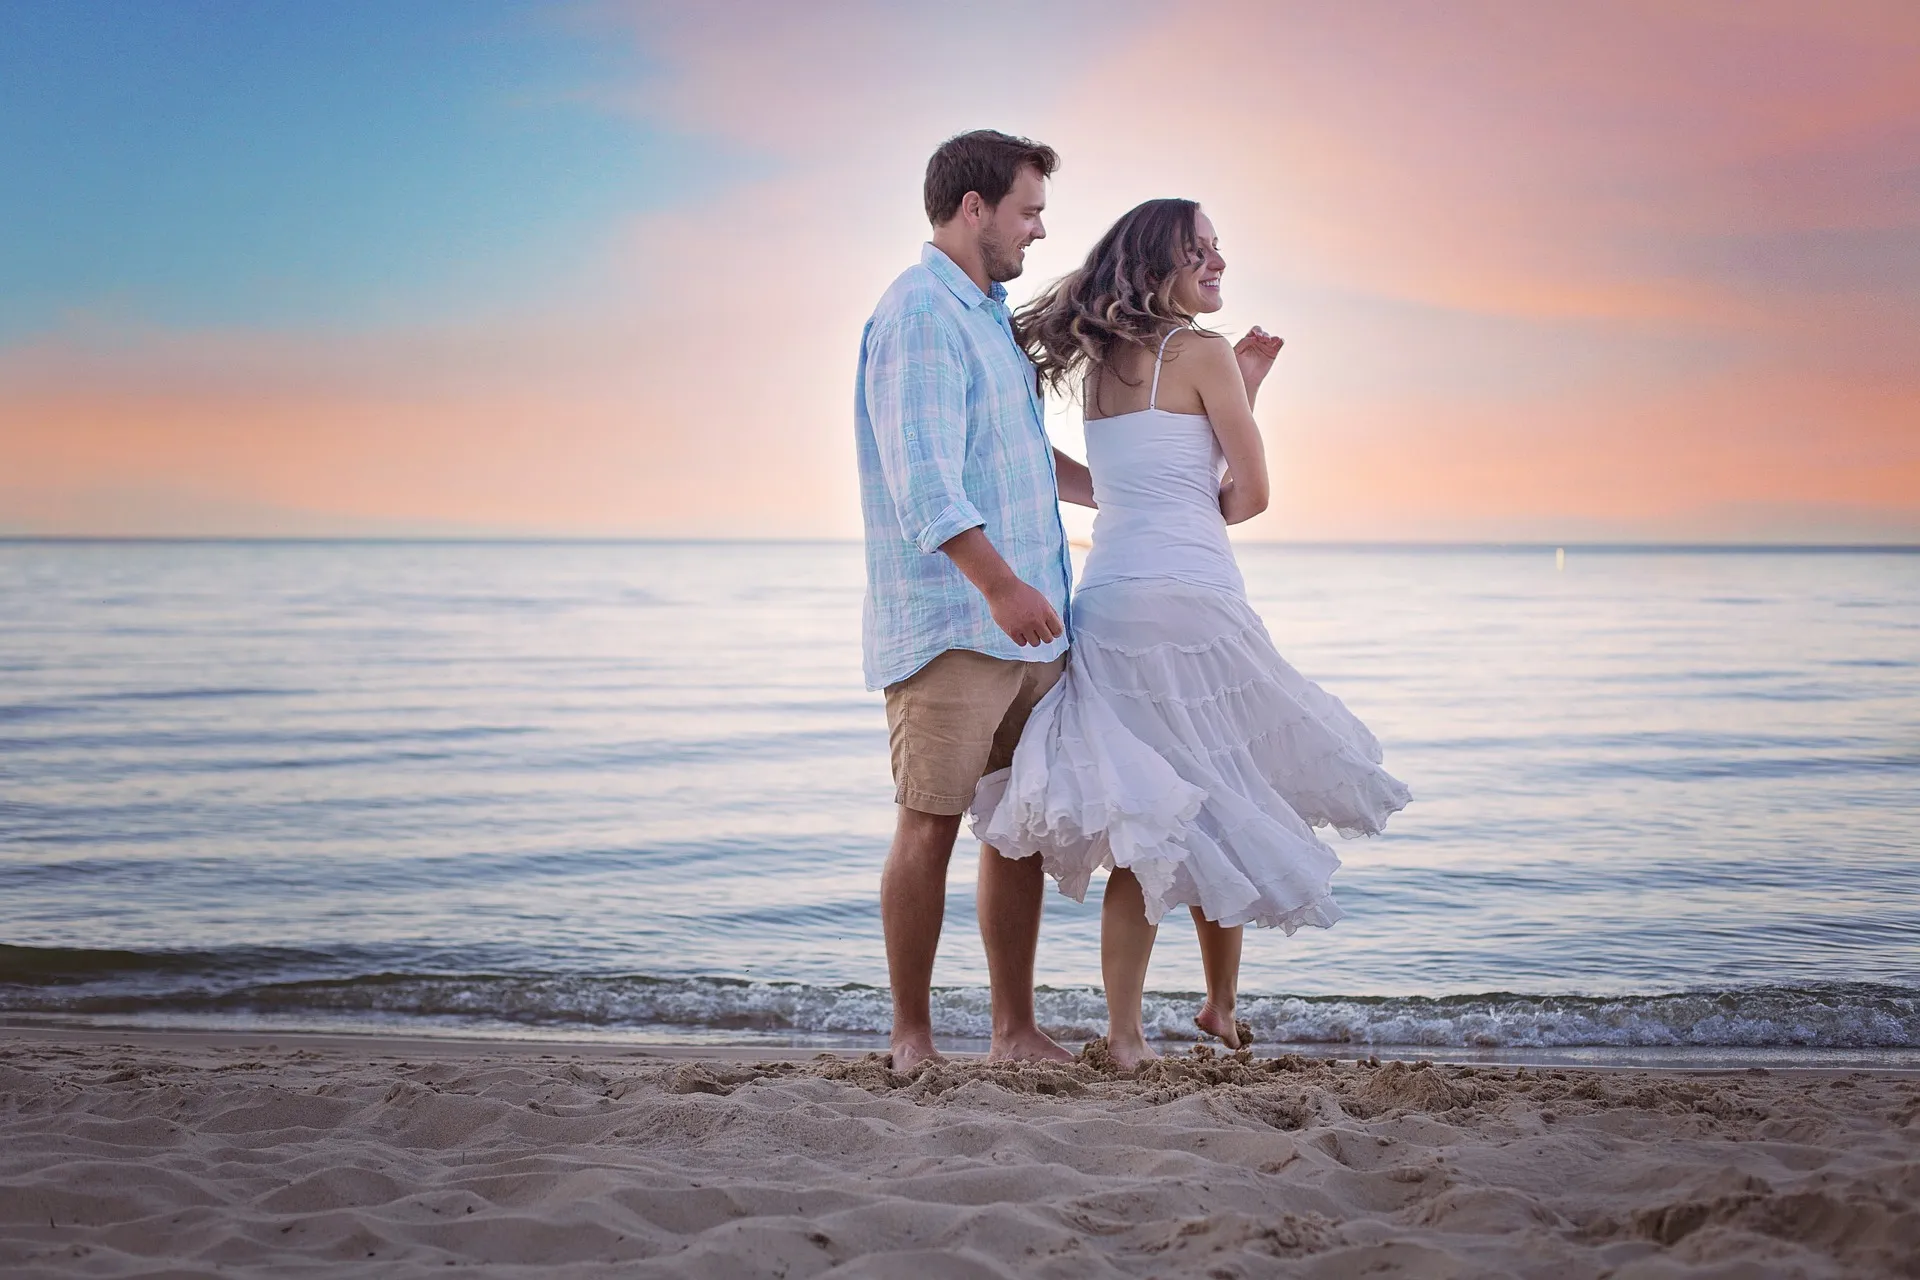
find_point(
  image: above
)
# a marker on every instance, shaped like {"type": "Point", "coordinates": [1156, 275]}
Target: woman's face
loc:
{"type": "Point", "coordinates": [1196, 286]}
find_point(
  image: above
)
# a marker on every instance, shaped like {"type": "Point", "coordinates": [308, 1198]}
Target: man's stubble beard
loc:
{"type": "Point", "coordinates": [1002, 263]}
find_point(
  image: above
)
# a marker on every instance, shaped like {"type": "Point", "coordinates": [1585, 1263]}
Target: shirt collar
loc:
{"type": "Point", "coordinates": [956, 280]}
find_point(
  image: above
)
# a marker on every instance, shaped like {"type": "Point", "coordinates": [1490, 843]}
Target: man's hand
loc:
{"type": "Point", "coordinates": [1024, 614]}
{"type": "Point", "coordinates": [1017, 607]}
{"type": "Point", "coordinates": [1255, 354]}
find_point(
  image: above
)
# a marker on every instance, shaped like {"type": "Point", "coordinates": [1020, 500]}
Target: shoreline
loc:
{"type": "Point", "coordinates": [454, 1042]}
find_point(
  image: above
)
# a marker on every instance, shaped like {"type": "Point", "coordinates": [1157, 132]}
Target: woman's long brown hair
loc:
{"type": "Point", "coordinates": [1122, 296]}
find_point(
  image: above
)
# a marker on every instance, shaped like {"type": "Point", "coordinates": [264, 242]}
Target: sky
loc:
{"type": "Point", "coordinates": [1547, 271]}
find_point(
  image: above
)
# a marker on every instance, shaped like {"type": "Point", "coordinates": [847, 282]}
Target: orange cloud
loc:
{"type": "Point", "coordinates": [1709, 460]}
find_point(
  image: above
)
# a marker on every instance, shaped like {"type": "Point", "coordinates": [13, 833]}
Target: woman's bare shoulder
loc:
{"type": "Point", "coordinates": [1200, 350]}
{"type": "Point", "coordinates": [1197, 340]}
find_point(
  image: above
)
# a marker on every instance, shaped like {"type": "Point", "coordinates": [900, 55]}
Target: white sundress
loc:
{"type": "Point", "coordinates": [1180, 744]}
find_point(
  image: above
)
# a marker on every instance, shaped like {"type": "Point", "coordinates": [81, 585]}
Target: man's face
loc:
{"type": "Point", "coordinates": [1012, 225]}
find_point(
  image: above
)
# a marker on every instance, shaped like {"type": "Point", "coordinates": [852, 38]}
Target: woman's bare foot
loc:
{"type": "Point", "coordinates": [1219, 1025]}
{"type": "Point", "coordinates": [1130, 1051]}
{"type": "Point", "coordinates": [911, 1052]}
{"type": "Point", "coordinates": [1030, 1045]}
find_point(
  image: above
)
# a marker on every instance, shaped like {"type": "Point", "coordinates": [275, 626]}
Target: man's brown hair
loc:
{"type": "Point", "coordinates": [986, 161]}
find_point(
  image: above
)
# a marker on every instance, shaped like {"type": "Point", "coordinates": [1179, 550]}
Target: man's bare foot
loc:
{"type": "Point", "coordinates": [911, 1052]}
{"type": "Point", "coordinates": [1219, 1025]}
{"type": "Point", "coordinates": [1030, 1045]}
{"type": "Point", "coordinates": [1130, 1052]}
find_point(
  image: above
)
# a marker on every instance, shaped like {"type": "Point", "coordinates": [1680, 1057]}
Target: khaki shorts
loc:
{"type": "Point", "coordinates": [958, 719]}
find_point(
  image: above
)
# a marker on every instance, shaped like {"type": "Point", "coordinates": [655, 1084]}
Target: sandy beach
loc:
{"type": "Point", "coordinates": [174, 1153]}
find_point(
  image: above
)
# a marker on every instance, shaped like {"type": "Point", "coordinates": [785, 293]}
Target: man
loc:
{"type": "Point", "coordinates": [967, 571]}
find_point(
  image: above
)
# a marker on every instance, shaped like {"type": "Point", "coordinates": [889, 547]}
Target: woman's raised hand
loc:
{"type": "Point", "coordinates": [1255, 354]}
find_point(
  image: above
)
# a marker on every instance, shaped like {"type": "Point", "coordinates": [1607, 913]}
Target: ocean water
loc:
{"type": "Point", "coordinates": [1664, 800]}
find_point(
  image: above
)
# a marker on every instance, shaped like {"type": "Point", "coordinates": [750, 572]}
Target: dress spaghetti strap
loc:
{"type": "Point", "coordinates": [1153, 393]}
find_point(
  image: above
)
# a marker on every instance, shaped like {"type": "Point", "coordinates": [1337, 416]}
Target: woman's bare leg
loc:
{"type": "Point", "coordinates": [1126, 944]}
{"type": "Point", "coordinates": [1220, 957]}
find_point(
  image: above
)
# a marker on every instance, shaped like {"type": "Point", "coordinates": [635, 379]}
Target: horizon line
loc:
{"type": "Point", "coordinates": [1610, 546]}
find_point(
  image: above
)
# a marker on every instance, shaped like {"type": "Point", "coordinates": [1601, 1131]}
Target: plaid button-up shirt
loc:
{"type": "Point", "coordinates": [950, 436]}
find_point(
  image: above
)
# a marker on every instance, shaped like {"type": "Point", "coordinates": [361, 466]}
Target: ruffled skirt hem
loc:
{"type": "Point", "coordinates": [1181, 746]}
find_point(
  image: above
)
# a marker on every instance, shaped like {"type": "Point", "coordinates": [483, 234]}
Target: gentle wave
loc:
{"type": "Point", "coordinates": [109, 983]}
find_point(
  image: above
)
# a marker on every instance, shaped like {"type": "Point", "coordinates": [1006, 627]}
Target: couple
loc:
{"type": "Point", "coordinates": [1172, 745]}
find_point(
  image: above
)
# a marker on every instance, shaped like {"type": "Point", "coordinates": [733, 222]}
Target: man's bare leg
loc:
{"type": "Point", "coordinates": [913, 903]}
{"type": "Point", "coordinates": [1010, 896]}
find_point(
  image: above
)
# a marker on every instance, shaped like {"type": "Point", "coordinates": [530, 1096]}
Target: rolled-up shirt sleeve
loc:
{"type": "Point", "coordinates": [917, 402]}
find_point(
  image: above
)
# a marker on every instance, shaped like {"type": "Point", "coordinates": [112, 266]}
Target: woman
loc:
{"type": "Point", "coordinates": [1179, 750]}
